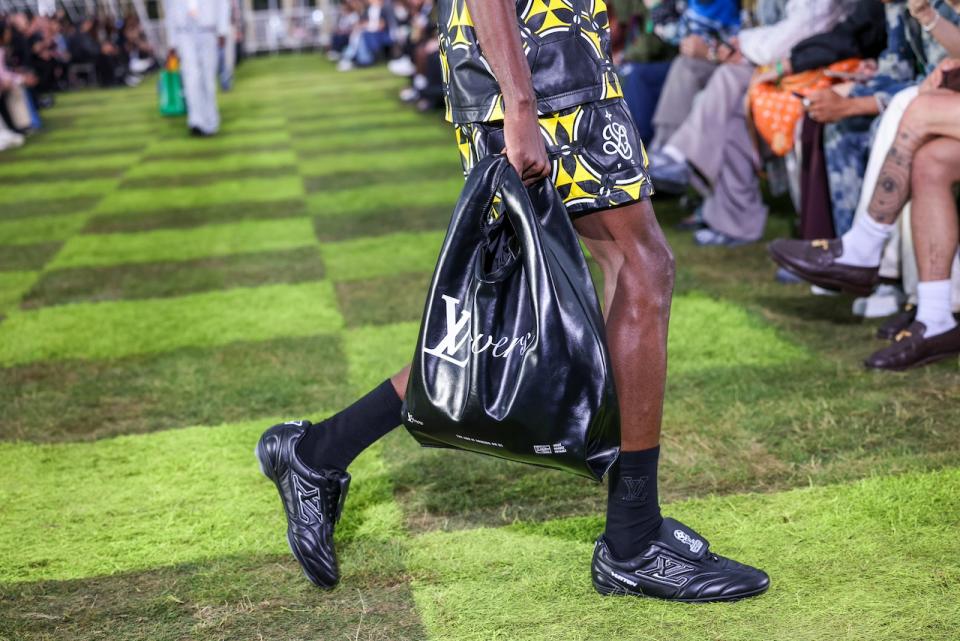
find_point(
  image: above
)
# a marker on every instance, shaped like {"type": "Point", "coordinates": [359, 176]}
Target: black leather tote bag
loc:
{"type": "Point", "coordinates": [511, 360]}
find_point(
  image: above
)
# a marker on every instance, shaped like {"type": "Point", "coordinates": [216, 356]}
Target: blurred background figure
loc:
{"type": "Point", "coordinates": [196, 31]}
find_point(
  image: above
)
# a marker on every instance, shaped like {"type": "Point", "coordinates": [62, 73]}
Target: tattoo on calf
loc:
{"type": "Point", "coordinates": [892, 190]}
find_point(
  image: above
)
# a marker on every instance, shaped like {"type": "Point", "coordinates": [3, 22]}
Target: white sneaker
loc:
{"type": "Point", "coordinates": [402, 66]}
{"type": "Point", "coordinates": [11, 139]}
{"type": "Point", "coordinates": [344, 65]}
{"type": "Point", "coordinates": [886, 300]}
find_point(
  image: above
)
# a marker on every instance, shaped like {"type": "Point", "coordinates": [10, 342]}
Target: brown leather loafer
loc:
{"type": "Point", "coordinates": [897, 323]}
{"type": "Point", "coordinates": [911, 349]}
{"type": "Point", "coordinates": [815, 261]}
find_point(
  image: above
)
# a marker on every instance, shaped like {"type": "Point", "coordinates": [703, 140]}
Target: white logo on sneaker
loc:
{"type": "Point", "coordinates": [411, 419]}
{"type": "Point", "coordinates": [695, 545]}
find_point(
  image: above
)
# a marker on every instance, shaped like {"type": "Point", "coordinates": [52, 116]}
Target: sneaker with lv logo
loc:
{"type": "Point", "coordinates": [677, 565]}
{"type": "Point", "coordinates": [312, 500]}
{"type": "Point", "coordinates": [815, 261]}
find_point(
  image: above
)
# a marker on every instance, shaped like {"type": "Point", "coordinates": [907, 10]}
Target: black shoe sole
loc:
{"type": "Point", "coordinates": [605, 591]}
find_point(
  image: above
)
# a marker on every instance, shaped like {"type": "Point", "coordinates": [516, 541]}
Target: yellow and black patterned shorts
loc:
{"type": "Point", "coordinates": [598, 158]}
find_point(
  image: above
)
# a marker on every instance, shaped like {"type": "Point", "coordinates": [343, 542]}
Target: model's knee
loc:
{"type": "Point", "coordinates": [648, 276]}
{"type": "Point", "coordinates": [917, 114]}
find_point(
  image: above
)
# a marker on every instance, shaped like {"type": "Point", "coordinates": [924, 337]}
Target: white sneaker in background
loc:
{"type": "Point", "coordinates": [816, 290]}
{"type": "Point", "coordinates": [10, 139]}
{"type": "Point", "coordinates": [344, 65]}
{"type": "Point", "coordinates": [402, 66]}
{"type": "Point", "coordinates": [886, 300]}
{"type": "Point", "coordinates": [409, 94]}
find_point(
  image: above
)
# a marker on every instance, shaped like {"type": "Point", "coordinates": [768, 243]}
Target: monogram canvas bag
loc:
{"type": "Point", "coordinates": [511, 359]}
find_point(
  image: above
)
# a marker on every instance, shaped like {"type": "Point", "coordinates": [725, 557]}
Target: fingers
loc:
{"type": "Point", "coordinates": [536, 172]}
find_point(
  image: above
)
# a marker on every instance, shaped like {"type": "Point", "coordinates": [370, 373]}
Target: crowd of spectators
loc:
{"type": "Point", "coordinates": [743, 101]}
{"type": "Point", "coordinates": [42, 55]}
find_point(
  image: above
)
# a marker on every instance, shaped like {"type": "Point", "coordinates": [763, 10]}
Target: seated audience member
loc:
{"type": "Point", "coordinates": [923, 162]}
{"type": "Point", "coordinates": [713, 149]}
{"type": "Point", "coordinates": [703, 32]}
{"type": "Point", "coordinates": [370, 37]}
{"type": "Point", "coordinates": [848, 134]}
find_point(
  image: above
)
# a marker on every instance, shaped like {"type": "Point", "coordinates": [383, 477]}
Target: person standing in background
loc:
{"type": "Point", "coordinates": [196, 30]}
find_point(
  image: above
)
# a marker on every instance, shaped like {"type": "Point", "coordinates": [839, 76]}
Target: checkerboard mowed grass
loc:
{"type": "Point", "coordinates": [165, 299]}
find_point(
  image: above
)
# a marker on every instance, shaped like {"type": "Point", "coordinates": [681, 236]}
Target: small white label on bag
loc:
{"type": "Point", "coordinates": [556, 448]}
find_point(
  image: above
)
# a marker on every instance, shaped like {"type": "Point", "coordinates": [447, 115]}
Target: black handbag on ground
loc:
{"type": "Point", "coordinates": [511, 358]}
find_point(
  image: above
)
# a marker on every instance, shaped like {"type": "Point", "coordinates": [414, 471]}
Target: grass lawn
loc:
{"type": "Point", "coordinates": [164, 299]}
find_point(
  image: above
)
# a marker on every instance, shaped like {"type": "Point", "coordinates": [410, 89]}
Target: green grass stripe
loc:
{"type": "Point", "coordinates": [398, 175]}
{"type": "Point", "coordinates": [32, 230]}
{"type": "Point", "coordinates": [140, 129]}
{"type": "Point", "coordinates": [381, 121]}
{"type": "Point", "coordinates": [184, 244]}
{"type": "Point", "coordinates": [365, 223]}
{"type": "Point", "coordinates": [165, 279]}
{"type": "Point", "coordinates": [78, 151]}
{"type": "Point", "coordinates": [443, 154]}
{"type": "Point", "coordinates": [198, 179]}
{"type": "Point", "coordinates": [381, 255]}
{"type": "Point", "coordinates": [219, 193]}
{"type": "Point", "coordinates": [160, 499]}
{"type": "Point", "coordinates": [226, 162]}
{"type": "Point", "coordinates": [79, 400]}
{"type": "Point", "coordinates": [113, 329]}
{"type": "Point", "coordinates": [707, 333]}
{"type": "Point", "coordinates": [425, 193]}
{"type": "Point", "coordinates": [12, 287]}
{"type": "Point", "coordinates": [65, 189]}
{"type": "Point", "coordinates": [27, 257]}
{"type": "Point", "coordinates": [863, 561]}
{"type": "Point", "coordinates": [222, 142]}
{"type": "Point", "coordinates": [32, 169]}
{"type": "Point", "coordinates": [187, 217]}
{"type": "Point", "coordinates": [372, 140]}
{"type": "Point", "coordinates": [385, 300]}
{"type": "Point", "coordinates": [376, 352]}
{"type": "Point", "coordinates": [51, 207]}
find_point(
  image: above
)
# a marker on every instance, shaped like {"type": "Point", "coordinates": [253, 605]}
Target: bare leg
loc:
{"type": "Point", "coordinates": [399, 381]}
{"type": "Point", "coordinates": [929, 115]}
{"type": "Point", "coordinates": [630, 247]}
{"type": "Point", "coordinates": [934, 223]}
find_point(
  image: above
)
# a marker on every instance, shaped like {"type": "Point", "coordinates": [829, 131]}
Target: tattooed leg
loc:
{"type": "Point", "coordinates": [936, 168]}
{"type": "Point", "coordinates": [893, 185]}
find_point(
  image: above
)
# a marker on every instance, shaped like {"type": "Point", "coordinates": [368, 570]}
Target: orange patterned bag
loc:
{"type": "Point", "coordinates": [776, 109]}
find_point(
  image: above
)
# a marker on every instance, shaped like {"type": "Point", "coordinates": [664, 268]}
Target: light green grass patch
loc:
{"type": "Point", "coordinates": [381, 255]}
{"type": "Point", "coordinates": [61, 190]}
{"type": "Point", "coordinates": [226, 162]}
{"type": "Point", "coordinates": [147, 501]}
{"type": "Point", "coordinates": [427, 156]}
{"type": "Point", "coordinates": [80, 149]}
{"type": "Point", "coordinates": [864, 561]}
{"type": "Point", "coordinates": [708, 333]}
{"type": "Point", "coordinates": [120, 328]}
{"type": "Point", "coordinates": [374, 353]}
{"type": "Point", "coordinates": [12, 286]}
{"type": "Point", "coordinates": [412, 135]}
{"type": "Point", "coordinates": [184, 244]}
{"type": "Point", "coordinates": [39, 229]}
{"type": "Point", "coordinates": [219, 193]}
{"type": "Point", "coordinates": [28, 168]}
{"type": "Point", "coordinates": [420, 194]}
{"type": "Point", "coordinates": [223, 142]}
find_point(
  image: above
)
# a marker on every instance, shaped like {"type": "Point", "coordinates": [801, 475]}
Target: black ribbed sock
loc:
{"type": "Point", "coordinates": [633, 506]}
{"type": "Point", "coordinates": [338, 440]}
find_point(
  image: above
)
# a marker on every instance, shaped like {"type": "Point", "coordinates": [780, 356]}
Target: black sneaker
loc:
{"type": "Point", "coordinates": [677, 565]}
{"type": "Point", "coordinates": [312, 500]}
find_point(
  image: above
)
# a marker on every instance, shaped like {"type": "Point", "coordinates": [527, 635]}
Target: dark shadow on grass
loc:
{"type": "Point", "coordinates": [81, 400]}
{"type": "Point", "coordinates": [51, 207]}
{"type": "Point", "coordinates": [231, 598]}
{"type": "Point", "coordinates": [379, 222]}
{"type": "Point", "coordinates": [198, 179]}
{"type": "Point", "coordinates": [173, 218]}
{"type": "Point", "coordinates": [27, 257]}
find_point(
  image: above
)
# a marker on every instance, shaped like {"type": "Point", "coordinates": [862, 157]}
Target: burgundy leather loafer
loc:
{"type": "Point", "coordinates": [815, 261]}
{"type": "Point", "coordinates": [911, 349]}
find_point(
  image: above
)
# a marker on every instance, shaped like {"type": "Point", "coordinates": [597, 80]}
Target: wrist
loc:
{"type": "Point", "coordinates": [520, 105]}
{"type": "Point", "coordinates": [928, 19]}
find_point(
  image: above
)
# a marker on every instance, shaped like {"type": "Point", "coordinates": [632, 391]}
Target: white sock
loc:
{"type": "Point", "coordinates": [675, 154]}
{"type": "Point", "coordinates": [863, 244]}
{"type": "Point", "coordinates": [933, 307]}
